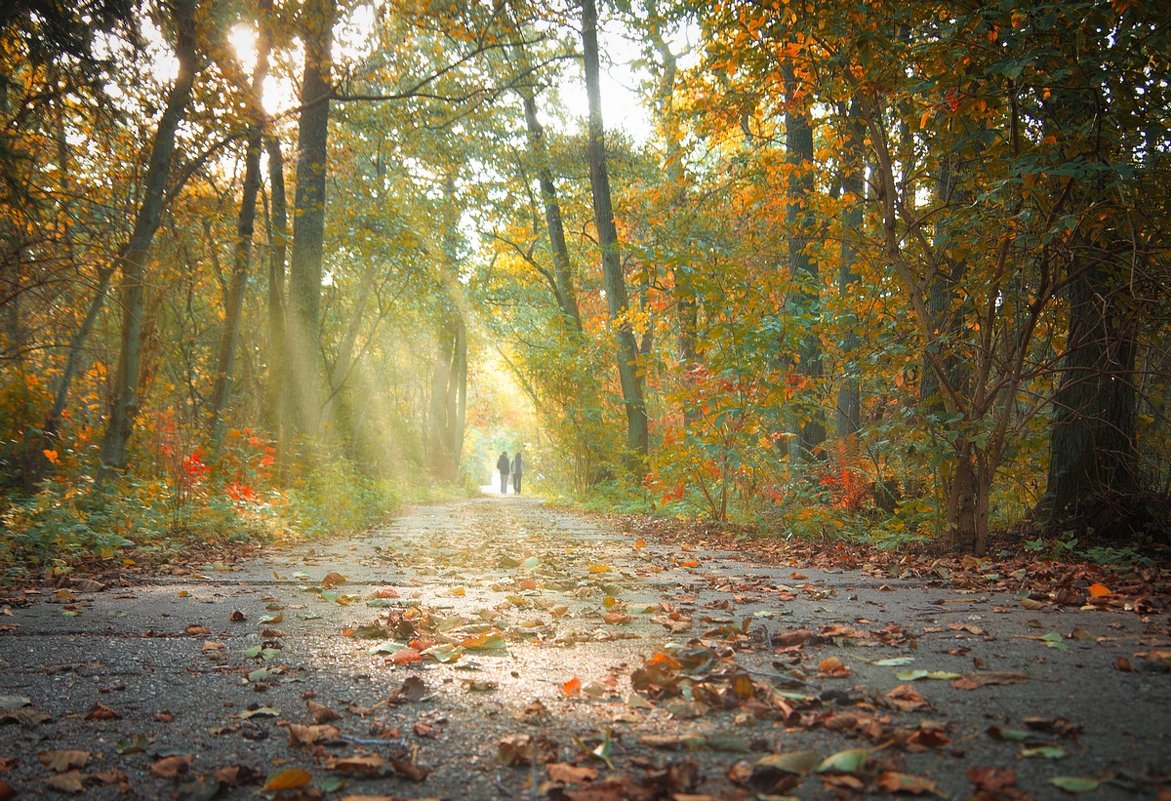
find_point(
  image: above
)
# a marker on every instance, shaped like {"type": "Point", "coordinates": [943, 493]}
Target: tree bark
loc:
{"type": "Point", "coordinates": [849, 411]}
{"type": "Point", "coordinates": [562, 271]}
{"type": "Point", "coordinates": [637, 437]}
{"type": "Point", "coordinates": [245, 226]}
{"type": "Point", "coordinates": [278, 239]}
{"type": "Point", "coordinates": [132, 261]}
{"type": "Point", "coordinates": [304, 368]}
{"type": "Point", "coordinates": [1093, 455]}
{"type": "Point", "coordinates": [803, 269]}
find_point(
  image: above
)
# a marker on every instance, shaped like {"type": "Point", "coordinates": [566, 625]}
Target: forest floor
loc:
{"type": "Point", "coordinates": [499, 648]}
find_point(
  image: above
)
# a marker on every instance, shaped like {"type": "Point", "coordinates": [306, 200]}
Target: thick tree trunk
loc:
{"type": "Point", "coordinates": [806, 301]}
{"type": "Point", "coordinates": [304, 368]}
{"type": "Point", "coordinates": [1093, 456]}
{"type": "Point", "coordinates": [132, 261]}
{"type": "Point", "coordinates": [562, 271]}
{"type": "Point", "coordinates": [637, 436]}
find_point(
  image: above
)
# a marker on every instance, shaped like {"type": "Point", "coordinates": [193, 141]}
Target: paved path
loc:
{"type": "Point", "coordinates": [463, 636]}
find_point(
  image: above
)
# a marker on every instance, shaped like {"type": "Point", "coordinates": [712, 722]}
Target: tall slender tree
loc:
{"type": "Point", "coordinates": [629, 373]}
{"type": "Point", "coordinates": [132, 262]}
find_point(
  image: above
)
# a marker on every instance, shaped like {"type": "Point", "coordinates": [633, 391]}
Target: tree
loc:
{"type": "Point", "coordinates": [630, 376]}
{"type": "Point", "coordinates": [303, 321]}
{"type": "Point", "coordinates": [132, 262]}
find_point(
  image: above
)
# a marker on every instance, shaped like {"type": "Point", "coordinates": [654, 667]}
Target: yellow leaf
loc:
{"type": "Point", "coordinates": [599, 568]}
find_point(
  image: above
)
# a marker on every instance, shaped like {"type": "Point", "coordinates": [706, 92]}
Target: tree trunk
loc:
{"type": "Point", "coordinates": [448, 398]}
{"type": "Point", "coordinates": [132, 261]}
{"type": "Point", "coordinates": [304, 368]}
{"type": "Point", "coordinates": [562, 272]}
{"type": "Point", "coordinates": [967, 490]}
{"type": "Point", "coordinates": [637, 438]}
{"type": "Point", "coordinates": [849, 411]}
{"type": "Point", "coordinates": [1093, 456]}
{"type": "Point", "coordinates": [803, 269]}
{"type": "Point", "coordinates": [245, 226]}
{"type": "Point", "coordinates": [278, 238]}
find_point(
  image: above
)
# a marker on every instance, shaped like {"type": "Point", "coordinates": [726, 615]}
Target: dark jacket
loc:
{"type": "Point", "coordinates": [502, 463]}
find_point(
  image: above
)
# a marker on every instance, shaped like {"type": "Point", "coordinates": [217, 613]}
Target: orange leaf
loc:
{"type": "Point", "coordinates": [1099, 590]}
{"type": "Point", "coordinates": [405, 656]}
{"type": "Point", "coordinates": [640, 543]}
{"type": "Point", "coordinates": [571, 688]}
{"type": "Point", "coordinates": [288, 779]}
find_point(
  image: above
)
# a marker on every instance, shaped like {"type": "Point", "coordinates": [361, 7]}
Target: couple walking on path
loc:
{"type": "Point", "coordinates": [515, 467]}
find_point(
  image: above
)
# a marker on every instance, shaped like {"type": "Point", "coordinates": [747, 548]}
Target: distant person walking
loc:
{"type": "Point", "coordinates": [518, 468]}
{"type": "Point", "coordinates": [502, 465]}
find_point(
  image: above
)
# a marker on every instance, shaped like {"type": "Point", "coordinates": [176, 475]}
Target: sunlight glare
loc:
{"type": "Point", "coordinates": [243, 40]}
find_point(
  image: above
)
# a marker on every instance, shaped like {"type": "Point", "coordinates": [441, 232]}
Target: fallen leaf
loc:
{"type": "Point", "coordinates": [102, 712]}
{"type": "Point", "coordinates": [404, 656]}
{"type": "Point", "coordinates": [320, 712]}
{"type": "Point", "coordinates": [570, 774]}
{"type": "Point", "coordinates": [61, 761]}
{"type": "Point", "coordinates": [171, 767]}
{"type": "Point", "coordinates": [332, 579]}
{"type": "Point", "coordinates": [571, 688]}
{"type": "Point", "coordinates": [525, 749]}
{"type": "Point", "coordinates": [358, 763]}
{"type": "Point", "coordinates": [849, 761]}
{"type": "Point", "coordinates": [890, 781]}
{"type": "Point", "coordinates": [974, 681]}
{"type": "Point", "coordinates": [68, 782]}
{"type": "Point", "coordinates": [906, 698]}
{"type": "Point", "coordinates": [1099, 590]}
{"type": "Point", "coordinates": [300, 734]}
{"type": "Point", "coordinates": [198, 631]}
{"type": "Point", "coordinates": [237, 616]}
{"type": "Point", "coordinates": [1043, 752]}
{"type": "Point", "coordinates": [1075, 784]}
{"type": "Point", "coordinates": [413, 689]}
{"type": "Point", "coordinates": [288, 779]}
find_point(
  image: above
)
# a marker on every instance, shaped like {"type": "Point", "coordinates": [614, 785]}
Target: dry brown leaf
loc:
{"type": "Point", "coordinates": [102, 712]}
{"type": "Point", "coordinates": [357, 763]}
{"type": "Point", "coordinates": [68, 782]}
{"type": "Point", "coordinates": [61, 761]}
{"type": "Point", "coordinates": [974, 681]}
{"type": "Point", "coordinates": [308, 735]}
{"type": "Point", "coordinates": [890, 781]}
{"type": "Point", "coordinates": [332, 579]}
{"type": "Point", "coordinates": [172, 767]}
{"type": "Point", "coordinates": [320, 712]}
{"type": "Point", "coordinates": [570, 774]}
{"type": "Point", "coordinates": [907, 698]}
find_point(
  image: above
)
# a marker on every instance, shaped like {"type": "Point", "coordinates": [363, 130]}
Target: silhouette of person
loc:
{"type": "Point", "coordinates": [518, 468]}
{"type": "Point", "coordinates": [502, 465]}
